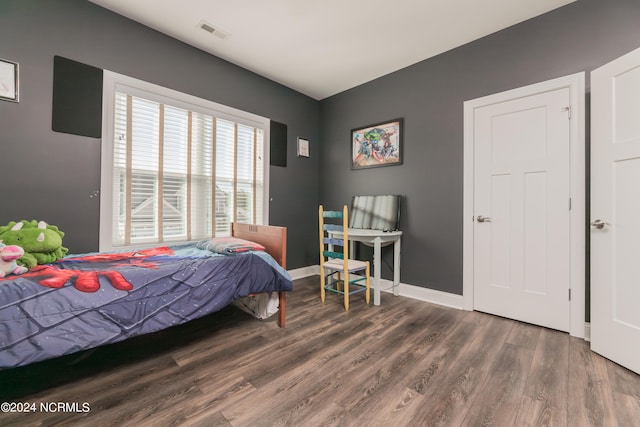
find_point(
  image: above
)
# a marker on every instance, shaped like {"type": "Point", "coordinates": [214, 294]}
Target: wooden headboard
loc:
{"type": "Point", "coordinates": [272, 237]}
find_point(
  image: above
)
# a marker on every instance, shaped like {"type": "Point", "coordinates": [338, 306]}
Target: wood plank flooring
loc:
{"type": "Point", "coordinates": [404, 363]}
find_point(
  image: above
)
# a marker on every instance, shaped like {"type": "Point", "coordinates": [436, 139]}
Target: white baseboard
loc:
{"type": "Point", "coordinates": [300, 273]}
{"type": "Point", "coordinates": [410, 291]}
{"type": "Point", "coordinates": [424, 294]}
{"type": "Point", "coordinates": [587, 331]}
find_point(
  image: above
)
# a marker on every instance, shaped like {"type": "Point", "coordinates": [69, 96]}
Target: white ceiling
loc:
{"type": "Point", "coordinates": [323, 47]}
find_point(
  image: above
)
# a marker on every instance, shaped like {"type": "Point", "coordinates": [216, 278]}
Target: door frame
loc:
{"type": "Point", "coordinates": [576, 85]}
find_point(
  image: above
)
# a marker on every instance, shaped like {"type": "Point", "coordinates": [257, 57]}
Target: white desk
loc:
{"type": "Point", "coordinates": [378, 239]}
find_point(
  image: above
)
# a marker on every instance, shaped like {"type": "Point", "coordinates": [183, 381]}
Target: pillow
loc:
{"type": "Point", "coordinates": [229, 245]}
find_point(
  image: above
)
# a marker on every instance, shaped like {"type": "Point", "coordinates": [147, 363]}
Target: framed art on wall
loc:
{"type": "Point", "coordinates": [303, 147]}
{"type": "Point", "coordinates": [8, 80]}
{"type": "Point", "coordinates": [377, 145]}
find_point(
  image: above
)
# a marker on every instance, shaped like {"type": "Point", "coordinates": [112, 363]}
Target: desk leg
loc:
{"type": "Point", "coordinates": [376, 271]}
{"type": "Point", "coordinates": [396, 267]}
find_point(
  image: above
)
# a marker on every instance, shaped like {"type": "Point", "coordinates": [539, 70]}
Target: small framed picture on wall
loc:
{"type": "Point", "coordinates": [303, 147]}
{"type": "Point", "coordinates": [8, 80]}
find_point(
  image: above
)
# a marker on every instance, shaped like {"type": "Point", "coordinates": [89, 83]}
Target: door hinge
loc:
{"type": "Point", "coordinates": [569, 203]}
{"type": "Point", "coordinates": [569, 294]}
{"type": "Point", "coordinates": [568, 110]}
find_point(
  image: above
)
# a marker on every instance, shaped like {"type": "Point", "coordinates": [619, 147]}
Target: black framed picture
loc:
{"type": "Point", "coordinates": [376, 145]}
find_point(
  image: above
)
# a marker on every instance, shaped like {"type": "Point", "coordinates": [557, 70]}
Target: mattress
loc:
{"type": "Point", "coordinates": [81, 302]}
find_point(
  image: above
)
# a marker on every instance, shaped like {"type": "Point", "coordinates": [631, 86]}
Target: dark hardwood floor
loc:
{"type": "Point", "coordinates": [404, 363]}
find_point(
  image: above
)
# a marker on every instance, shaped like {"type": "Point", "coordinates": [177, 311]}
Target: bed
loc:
{"type": "Point", "coordinates": [85, 301]}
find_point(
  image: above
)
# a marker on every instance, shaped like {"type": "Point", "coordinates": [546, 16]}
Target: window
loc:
{"type": "Point", "coordinates": [177, 168]}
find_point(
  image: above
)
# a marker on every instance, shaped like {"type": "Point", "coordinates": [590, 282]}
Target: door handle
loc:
{"type": "Point", "coordinates": [599, 224]}
{"type": "Point", "coordinates": [481, 218]}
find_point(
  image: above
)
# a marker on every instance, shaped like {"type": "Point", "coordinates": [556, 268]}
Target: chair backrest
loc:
{"type": "Point", "coordinates": [333, 221]}
{"type": "Point", "coordinates": [376, 212]}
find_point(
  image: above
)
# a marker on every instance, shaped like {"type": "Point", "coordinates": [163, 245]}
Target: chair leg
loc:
{"type": "Point", "coordinates": [345, 288]}
{"type": "Point", "coordinates": [322, 284]}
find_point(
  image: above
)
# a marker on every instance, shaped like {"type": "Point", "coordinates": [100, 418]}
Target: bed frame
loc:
{"type": "Point", "coordinates": [274, 239]}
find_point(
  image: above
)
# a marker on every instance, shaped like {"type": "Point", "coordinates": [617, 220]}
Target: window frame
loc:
{"type": "Point", "coordinates": [114, 82]}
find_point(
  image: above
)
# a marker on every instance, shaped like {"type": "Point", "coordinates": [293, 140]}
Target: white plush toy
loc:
{"type": "Point", "coordinates": [8, 256]}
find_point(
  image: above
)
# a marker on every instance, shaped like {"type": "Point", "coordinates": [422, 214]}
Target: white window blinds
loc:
{"type": "Point", "coordinates": [180, 172]}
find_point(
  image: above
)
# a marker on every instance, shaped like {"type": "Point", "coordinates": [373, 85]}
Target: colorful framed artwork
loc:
{"type": "Point", "coordinates": [377, 145]}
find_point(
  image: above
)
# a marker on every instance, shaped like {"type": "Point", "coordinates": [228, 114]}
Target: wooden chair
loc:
{"type": "Point", "coordinates": [337, 271]}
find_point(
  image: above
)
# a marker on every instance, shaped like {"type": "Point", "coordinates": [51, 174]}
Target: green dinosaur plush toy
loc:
{"type": "Point", "coordinates": [42, 243]}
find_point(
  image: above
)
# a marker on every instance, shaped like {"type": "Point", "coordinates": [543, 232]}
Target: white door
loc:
{"type": "Point", "coordinates": [522, 191]}
{"type": "Point", "coordinates": [615, 211]}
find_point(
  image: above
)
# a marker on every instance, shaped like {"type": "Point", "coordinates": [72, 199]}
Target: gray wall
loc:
{"type": "Point", "coordinates": [52, 176]}
{"type": "Point", "coordinates": [430, 95]}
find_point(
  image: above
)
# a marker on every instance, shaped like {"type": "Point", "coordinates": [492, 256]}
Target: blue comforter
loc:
{"type": "Point", "coordinates": [83, 302]}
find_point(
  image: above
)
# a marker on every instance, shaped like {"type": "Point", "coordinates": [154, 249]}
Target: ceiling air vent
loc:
{"type": "Point", "coordinates": [213, 30]}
